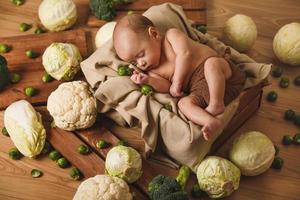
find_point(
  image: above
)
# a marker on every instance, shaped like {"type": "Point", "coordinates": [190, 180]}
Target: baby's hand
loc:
{"type": "Point", "coordinates": [139, 77]}
{"type": "Point", "coordinates": [175, 90]}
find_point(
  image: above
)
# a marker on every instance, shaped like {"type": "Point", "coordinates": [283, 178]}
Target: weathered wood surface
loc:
{"type": "Point", "coordinates": [32, 70]}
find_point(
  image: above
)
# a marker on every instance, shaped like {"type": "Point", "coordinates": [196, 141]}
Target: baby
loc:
{"type": "Point", "coordinates": [175, 63]}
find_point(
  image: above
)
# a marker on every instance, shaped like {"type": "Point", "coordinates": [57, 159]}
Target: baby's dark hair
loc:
{"type": "Point", "coordinates": [136, 22]}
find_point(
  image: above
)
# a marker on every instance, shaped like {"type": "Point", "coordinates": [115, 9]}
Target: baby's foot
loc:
{"type": "Point", "coordinates": [175, 90]}
{"type": "Point", "coordinates": [215, 109]}
{"type": "Point", "coordinates": [210, 128]}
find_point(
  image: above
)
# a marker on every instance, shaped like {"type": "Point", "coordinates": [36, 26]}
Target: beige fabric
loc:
{"type": "Point", "coordinates": [121, 100]}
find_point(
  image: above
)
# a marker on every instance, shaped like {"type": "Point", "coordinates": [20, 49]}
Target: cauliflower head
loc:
{"type": "Point", "coordinates": [73, 106]}
{"type": "Point", "coordinates": [103, 187]}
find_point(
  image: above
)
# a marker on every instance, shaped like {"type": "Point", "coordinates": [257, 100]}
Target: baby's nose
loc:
{"type": "Point", "coordinates": [142, 63]}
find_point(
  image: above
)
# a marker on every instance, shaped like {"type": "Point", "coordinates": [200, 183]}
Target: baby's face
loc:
{"type": "Point", "coordinates": [140, 50]}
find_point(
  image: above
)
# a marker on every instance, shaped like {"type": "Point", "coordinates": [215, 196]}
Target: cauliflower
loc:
{"type": "Point", "coordinates": [103, 187]}
{"type": "Point", "coordinates": [73, 106]}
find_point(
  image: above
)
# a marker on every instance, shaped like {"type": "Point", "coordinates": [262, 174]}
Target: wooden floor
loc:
{"type": "Point", "coordinates": [269, 15]}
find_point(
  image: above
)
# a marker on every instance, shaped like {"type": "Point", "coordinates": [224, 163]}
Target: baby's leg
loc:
{"type": "Point", "coordinates": [189, 107]}
{"type": "Point", "coordinates": [216, 72]}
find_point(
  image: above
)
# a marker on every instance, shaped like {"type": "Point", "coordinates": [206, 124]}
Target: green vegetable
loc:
{"type": "Point", "coordinates": [287, 140]}
{"type": "Point", "coordinates": [130, 12]}
{"type": "Point", "coordinates": [196, 191]}
{"type": "Point", "coordinates": [202, 28]}
{"type": "Point", "coordinates": [4, 74]}
{"type": "Point", "coordinates": [47, 78]}
{"type": "Point", "coordinates": [15, 78]}
{"type": "Point", "coordinates": [277, 72]}
{"type": "Point", "coordinates": [30, 91]}
{"type": "Point", "coordinates": [83, 149]}
{"type": "Point", "coordinates": [277, 163]}
{"type": "Point", "coordinates": [39, 30]}
{"type": "Point", "coordinates": [272, 96]}
{"type": "Point", "coordinates": [122, 143]}
{"type": "Point", "coordinates": [168, 188]}
{"type": "Point", "coordinates": [168, 107]}
{"type": "Point", "coordinates": [32, 54]}
{"type": "Point", "coordinates": [54, 155]}
{"type": "Point", "coordinates": [4, 48]}
{"type": "Point", "coordinates": [276, 150]}
{"type": "Point", "coordinates": [63, 163]}
{"type": "Point", "coordinates": [289, 114]}
{"type": "Point", "coordinates": [297, 81]}
{"type": "Point", "coordinates": [146, 90]}
{"type": "Point", "coordinates": [17, 2]}
{"type": "Point", "coordinates": [296, 138]}
{"type": "Point", "coordinates": [4, 132]}
{"type": "Point", "coordinates": [47, 148]}
{"type": "Point", "coordinates": [101, 144]}
{"type": "Point", "coordinates": [124, 70]}
{"type": "Point", "coordinates": [297, 120]}
{"type": "Point", "coordinates": [14, 154]}
{"type": "Point", "coordinates": [24, 27]}
{"type": "Point", "coordinates": [35, 173]}
{"type": "Point", "coordinates": [75, 173]}
{"type": "Point", "coordinates": [284, 82]}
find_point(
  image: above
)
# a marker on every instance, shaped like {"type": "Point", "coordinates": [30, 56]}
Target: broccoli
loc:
{"type": "Point", "coordinates": [169, 188]}
{"type": "Point", "coordinates": [105, 9]}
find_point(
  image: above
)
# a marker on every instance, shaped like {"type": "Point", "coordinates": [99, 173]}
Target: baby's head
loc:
{"type": "Point", "coordinates": [138, 41]}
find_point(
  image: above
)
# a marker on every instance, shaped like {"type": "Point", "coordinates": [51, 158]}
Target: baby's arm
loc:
{"type": "Point", "coordinates": [157, 82]}
{"type": "Point", "coordinates": [180, 44]}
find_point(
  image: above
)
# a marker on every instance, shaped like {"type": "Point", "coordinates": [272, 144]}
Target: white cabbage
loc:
{"type": "Point", "coordinates": [104, 33]}
{"type": "Point", "coordinates": [25, 128]}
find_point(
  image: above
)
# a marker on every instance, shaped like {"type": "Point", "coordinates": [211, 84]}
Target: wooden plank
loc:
{"type": "Point", "coordinates": [198, 16]}
{"type": "Point", "coordinates": [31, 70]}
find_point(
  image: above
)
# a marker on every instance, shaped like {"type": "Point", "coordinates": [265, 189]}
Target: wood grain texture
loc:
{"type": "Point", "coordinates": [32, 70]}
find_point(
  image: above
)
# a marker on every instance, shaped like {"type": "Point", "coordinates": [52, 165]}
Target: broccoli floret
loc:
{"type": "Point", "coordinates": [105, 9]}
{"type": "Point", "coordinates": [169, 188]}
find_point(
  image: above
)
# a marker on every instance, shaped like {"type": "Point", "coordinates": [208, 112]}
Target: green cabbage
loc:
{"type": "Point", "coordinates": [25, 128]}
{"type": "Point", "coordinates": [124, 162]}
{"type": "Point", "coordinates": [218, 177]}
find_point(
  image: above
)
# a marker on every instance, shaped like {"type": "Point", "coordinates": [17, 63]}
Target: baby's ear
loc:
{"type": "Point", "coordinates": [153, 32]}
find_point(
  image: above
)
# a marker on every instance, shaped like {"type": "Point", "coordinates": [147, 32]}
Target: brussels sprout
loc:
{"type": "Point", "coordinates": [297, 81]}
{"type": "Point", "coordinates": [15, 78]}
{"type": "Point", "coordinates": [101, 144]}
{"type": "Point", "coordinates": [17, 2]}
{"type": "Point", "coordinates": [201, 27]}
{"type": "Point", "coordinates": [47, 148]}
{"type": "Point", "coordinates": [130, 12]}
{"type": "Point", "coordinates": [287, 140]}
{"type": "Point", "coordinates": [62, 162]}
{"type": "Point", "coordinates": [4, 132]}
{"type": "Point", "coordinates": [297, 120]}
{"type": "Point", "coordinates": [83, 149]}
{"type": "Point", "coordinates": [14, 154]}
{"type": "Point", "coordinates": [277, 72]}
{"type": "Point", "coordinates": [276, 150]}
{"type": "Point", "coordinates": [284, 82]}
{"type": "Point", "coordinates": [75, 173]}
{"type": "Point", "coordinates": [122, 143]}
{"type": "Point", "coordinates": [124, 70]}
{"type": "Point", "coordinates": [124, 162]}
{"type": "Point", "coordinates": [296, 138]}
{"type": "Point", "coordinates": [35, 173]}
{"type": "Point", "coordinates": [4, 48]}
{"type": "Point", "coordinates": [54, 155]}
{"type": "Point", "coordinates": [196, 191]}
{"type": "Point", "coordinates": [146, 90]}
{"type": "Point", "coordinates": [32, 54]}
{"type": "Point", "coordinates": [277, 163]}
{"type": "Point", "coordinates": [289, 114]}
{"type": "Point", "coordinates": [30, 91]}
{"type": "Point", "coordinates": [39, 30]}
{"type": "Point", "coordinates": [272, 96]}
{"type": "Point", "coordinates": [24, 27]}
{"type": "Point", "coordinates": [168, 107]}
{"type": "Point", "coordinates": [47, 78]}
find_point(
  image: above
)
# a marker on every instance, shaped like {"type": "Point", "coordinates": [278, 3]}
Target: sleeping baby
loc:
{"type": "Point", "coordinates": [176, 64]}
